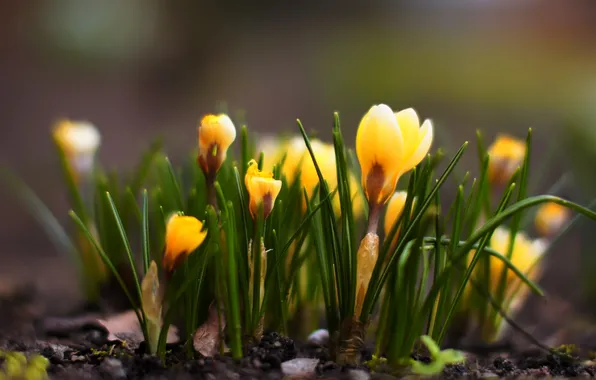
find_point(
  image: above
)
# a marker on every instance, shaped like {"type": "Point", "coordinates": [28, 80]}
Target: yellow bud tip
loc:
{"type": "Point", "coordinates": [550, 218]}
{"type": "Point", "coordinates": [216, 134]}
{"type": "Point", "coordinates": [388, 145]}
{"type": "Point", "coordinates": [262, 189]}
{"type": "Point", "coordinates": [184, 234]}
{"type": "Point", "coordinates": [506, 154]}
{"type": "Point", "coordinates": [395, 208]}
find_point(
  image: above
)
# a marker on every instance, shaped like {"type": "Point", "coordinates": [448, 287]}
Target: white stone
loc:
{"type": "Point", "coordinates": [358, 374]}
{"type": "Point", "coordinates": [320, 336]}
{"type": "Point", "coordinates": [299, 367]}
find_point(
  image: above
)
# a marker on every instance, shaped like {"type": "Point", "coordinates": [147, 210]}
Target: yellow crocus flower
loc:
{"type": "Point", "coordinates": [395, 207]}
{"type": "Point", "coordinates": [506, 154]}
{"type": "Point", "coordinates": [388, 145]}
{"type": "Point", "coordinates": [216, 134]}
{"type": "Point", "coordinates": [79, 140]}
{"type": "Point", "coordinates": [184, 234]}
{"type": "Point", "coordinates": [526, 254]}
{"type": "Point", "coordinates": [550, 218]}
{"type": "Point", "coordinates": [262, 188]}
{"type": "Point", "coordinates": [299, 162]}
{"type": "Point", "coordinates": [325, 156]}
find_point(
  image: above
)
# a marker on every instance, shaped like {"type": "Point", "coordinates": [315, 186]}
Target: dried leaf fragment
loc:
{"type": "Point", "coordinates": [207, 338]}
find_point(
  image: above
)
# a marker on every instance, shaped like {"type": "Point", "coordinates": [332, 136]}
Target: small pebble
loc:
{"type": "Point", "coordinates": [299, 367]}
{"type": "Point", "coordinates": [320, 336]}
{"type": "Point", "coordinates": [358, 374]}
{"type": "Point", "coordinates": [78, 358]}
{"type": "Point", "coordinates": [113, 368]}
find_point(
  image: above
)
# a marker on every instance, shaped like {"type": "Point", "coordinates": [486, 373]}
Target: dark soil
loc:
{"type": "Point", "coordinates": [80, 351]}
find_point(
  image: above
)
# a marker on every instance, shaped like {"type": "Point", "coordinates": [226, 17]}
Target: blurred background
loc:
{"type": "Point", "coordinates": [142, 68]}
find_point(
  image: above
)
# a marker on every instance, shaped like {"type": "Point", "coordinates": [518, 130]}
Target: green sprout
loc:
{"type": "Point", "coordinates": [18, 366]}
{"type": "Point", "coordinates": [439, 358]}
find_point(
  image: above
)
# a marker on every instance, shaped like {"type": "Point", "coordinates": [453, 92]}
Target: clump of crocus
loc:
{"type": "Point", "coordinates": [550, 218]}
{"type": "Point", "coordinates": [506, 155]}
{"type": "Point", "coordinates": [79, 140]}
{"type": "Point", "coordinates": [262, 188]}
{"type": "Point", "coordinates": [184, 234]}
{"type": "Point", "coordinates": [526, 256]}
{"type": "Point", "coordinates": [388, 145]}
{"type": "Point", "coordinates": [216, 134]}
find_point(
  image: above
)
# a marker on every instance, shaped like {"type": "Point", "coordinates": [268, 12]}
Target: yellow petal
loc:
{"type": "Point", "coordinates": [409, 124]}
{"type": "Point", "coordinates": [218, 130]}
{"type": "Point", "coordinates": [79, 140]}
{"type": "Point", "coordinates": [506, 154]}
{"type": "Point", "coordinates": [325, 156]}
{"type": "Point", "coordinates": [421, 147]}
{"type": "Point", "coordinates": [77, 137]}
{"type": "Point", "coordinates": [526, 253]}
{"type": "Point", "coordinates": [550, 218]}
{"type": "Point", "coordinates": [379, 147]}
{"type": "Point", "coordinates": [295, 151]}
{"type": "Point", "coordinates": [273, 150]}
{"type": "Point", "coordinates": [216, 134]}
{"type": "Point", "coordinates": [262, 189]}
{"type": "Point", "coordinates": [395, 208]}
{"type": "Point", "coordinates": [184, 234]}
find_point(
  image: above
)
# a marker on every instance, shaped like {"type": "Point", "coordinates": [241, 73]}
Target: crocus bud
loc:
{"type": "Point", "coordinates": [550, 218]}
{"type": "Point", "coordinates": [79, 140]}
{"type": "Point", "coordinates": [367, 256]}
{"type": "Point", "coordinates": [184, 234]}
{"type": "Point", "coordinates": [389, 145]}
{"type": "Point", "coordinates": [151, 300]}
{"type": "Point", "coordinates": [526, 257]}
{"type": "Point", "coordinates": [262, 188]}
{"type": "Point", "coordinates": [325, 156]}
{"type": "Point", "coordinates": [395, 208]}
{"type": "Point", "coordinates": [506, 155]}
{"type": "Point", "coordinates": [357, 197]}
{"type": "Point", "coordinates": [216, 134]}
